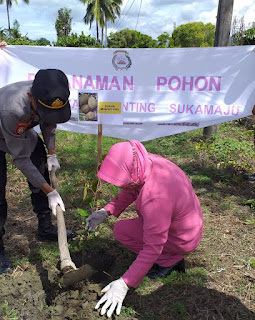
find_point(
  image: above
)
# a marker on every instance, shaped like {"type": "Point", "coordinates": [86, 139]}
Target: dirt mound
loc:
{"type": "Point", "coordinates": [38, 294]}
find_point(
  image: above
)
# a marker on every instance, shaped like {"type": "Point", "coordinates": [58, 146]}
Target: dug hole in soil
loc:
{"type": "Point", "coordinates": [35, 292]}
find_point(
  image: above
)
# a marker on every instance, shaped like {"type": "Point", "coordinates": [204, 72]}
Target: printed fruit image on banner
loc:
{"type": "Point", "coordinates": [88, 106]}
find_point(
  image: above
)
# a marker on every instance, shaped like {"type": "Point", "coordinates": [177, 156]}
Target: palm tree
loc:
{"type": "Point", "coordinates": [8, 5]}
{"type": "Point", "coordinates": [90, 15]}
{"type": "Point", "coordinates": [114, 13]}
{"type": "Point", "coordinates": [101, 11]}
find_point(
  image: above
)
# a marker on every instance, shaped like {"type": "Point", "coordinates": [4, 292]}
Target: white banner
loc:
{"type": "Point", "coordinates": [143, 93]}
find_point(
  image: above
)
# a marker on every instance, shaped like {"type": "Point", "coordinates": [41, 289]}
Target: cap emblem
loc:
{"type": "Point", "coordinates": [57, 104]}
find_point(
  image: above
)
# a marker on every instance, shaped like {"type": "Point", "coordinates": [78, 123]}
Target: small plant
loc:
{"type": "Point", "coordinates": [83, 214]}
{"type": "Point", "coordinates": [91, 193]}
{"type": "Point", "coordinates": [251, 263]}
{"type": "Point", "coordinates": [250, 202]}
{"type": "Point", "coordinates": [9, 314]}
{"type": "Point", "coordinates": [178, 309]}
{"type": "Point", "coordinates": [127, 312]}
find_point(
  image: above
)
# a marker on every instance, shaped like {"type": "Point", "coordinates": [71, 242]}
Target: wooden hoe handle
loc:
{"type": "Point", "coordinates": [66, 263]}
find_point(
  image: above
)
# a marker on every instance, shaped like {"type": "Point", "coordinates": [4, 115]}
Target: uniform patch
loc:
{"type": "Point", "coordinates": [22, 127]}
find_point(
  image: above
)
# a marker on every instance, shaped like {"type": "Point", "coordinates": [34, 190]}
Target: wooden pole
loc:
{"type": "Point", "coordinates": [99, 145]}
{"type": "Point", "coordinates": [99, 160]}
{"type": "Point", "coordinates": [223, 25]}
{"type": "Point", "coordinates": [222, 32]}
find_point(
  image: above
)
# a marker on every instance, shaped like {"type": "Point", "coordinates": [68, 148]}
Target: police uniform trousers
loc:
{"type": "Point", "coordinates": [38, 198]}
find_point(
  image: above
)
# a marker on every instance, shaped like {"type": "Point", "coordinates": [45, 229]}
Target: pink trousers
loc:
{"type": "Point", "coordinates": [130, 234]}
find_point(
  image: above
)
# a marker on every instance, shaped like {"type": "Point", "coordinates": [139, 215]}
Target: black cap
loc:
{"type": "Point", "coordinates": [51, 92]}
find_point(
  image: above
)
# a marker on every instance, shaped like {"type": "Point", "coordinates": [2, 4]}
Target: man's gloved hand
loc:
{"type": "Point", "coordinates": [54, 200]}
{"type": "Point", "coordinates": [52, 162]}
{"type": "Point", "coordinates": [115, 293]}
{"type": "Point", "coordinates": [95, 219]}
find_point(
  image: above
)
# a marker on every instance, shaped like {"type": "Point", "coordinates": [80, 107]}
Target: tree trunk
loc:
{"type": "Point", "coordinates": [97, 31]}
{"type": "Point", "coordinates": [222, 32]}
{"type": "Point", "coordinates": [105, 34]}
{"type": "Point", "coordinates": [8, 16]}
{"type": "Point", "coordinates": [223, 25]}
{"type": "Point", "coordinates": [102, 37]}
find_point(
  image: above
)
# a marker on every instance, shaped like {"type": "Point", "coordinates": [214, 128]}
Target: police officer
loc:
{"type": "Point", "coordinates": [23, 105]}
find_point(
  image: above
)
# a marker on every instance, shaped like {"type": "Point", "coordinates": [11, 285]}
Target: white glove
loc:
{"type": "Point", "coordinates": [54, 200]}
{"type": "Point", "coordinates": [115, 293]}
{"type": "Point", "coordinates": [95, 219]}
{"type": "Point", "coordinates": [52, 162]}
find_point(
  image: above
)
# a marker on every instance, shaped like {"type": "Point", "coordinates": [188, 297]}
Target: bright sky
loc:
{"type": "Point", "coordinates": [151, 17]}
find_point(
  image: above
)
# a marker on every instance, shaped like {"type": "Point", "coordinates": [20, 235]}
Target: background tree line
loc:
{"type": "Point", "coordinates": [195, 34]}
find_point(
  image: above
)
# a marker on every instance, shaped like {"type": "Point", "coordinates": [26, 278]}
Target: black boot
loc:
{"type": "Point", "coordinates": [248, 177]}
{"type": "Point", "coordinates": [47, 231]}
{"type": "Point", "coordinates": [162, 272]}
{"type": "Point", "coordinates": [5, 263]}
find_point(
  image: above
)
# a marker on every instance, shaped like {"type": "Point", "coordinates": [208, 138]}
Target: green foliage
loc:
{"type": "Point", "coordinates": [76, 41]}
{"type": "Point", "coordinates": [195, 276]}
{"type": "Point", "coordinates": [9, 314]}
{"type": "Point", "coordinates": [251, 203]}
{"type": "Point", "coordinates": [15, 31]}
{"type": "Point", "coordinates": [14, 37]}
{"type": "Point", "coordinates": [195, 34]}
{"type": "Point", "coordinates": [63, 22]}
{"type": "Point", "coordinates": [8, 5]}
{"type": "Point", "coordinates": [165, 41]}
{"type": "Point", "coordinates": [83, 213]}
{"type": "Point", "coordinates": [250, 222]}
{"type": "Point", "coordinates": [130, 39]}
{"type": "Point", "coordinates": [20, 41]}
{"type": "Point", "coordinates": [17, 39]}
{"type": "Point", "coordinates": [10, 2]}
{"type": "Point", "coordinates": [91, 191]}
{"type": "Point", "coordinates": [249, 37]}
{"type": "Point", "coordinates": [115, 190]}
{"type": "Point", "coordinates": [251, 263]}
{"type": "Point", "coordinates": [43, 42]}
{"type": "Point", "coordinates": [246, 37]}
{"type": "Point", "coordinates": [127, 311]}
{"type": "Point", "coordinates": [229, 152]}
{"type": "Point", "coordinates": [101, 11]}
{"type": "Point", "coordinates": [201, 179]}
{"type": "Point", "coordinates": [178, 309]}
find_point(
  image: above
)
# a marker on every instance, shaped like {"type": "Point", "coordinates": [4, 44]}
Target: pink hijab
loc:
{"type": "Point", "coordinates": [124, 164]}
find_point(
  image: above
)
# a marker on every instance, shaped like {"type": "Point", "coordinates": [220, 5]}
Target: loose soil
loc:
{"type": "Point", "coordinates": [35, 291]}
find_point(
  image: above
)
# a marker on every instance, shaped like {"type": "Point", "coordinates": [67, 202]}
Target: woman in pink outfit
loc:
{"type": "Point", "coordinates": [169, 223]}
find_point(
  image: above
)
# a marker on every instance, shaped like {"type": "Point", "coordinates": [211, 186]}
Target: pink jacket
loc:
{"type": "Point", "coordinates": [164, 199]}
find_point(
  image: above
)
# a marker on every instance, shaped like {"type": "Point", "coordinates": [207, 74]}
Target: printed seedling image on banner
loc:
{"type": "Point", "coordinates": [88, 106]}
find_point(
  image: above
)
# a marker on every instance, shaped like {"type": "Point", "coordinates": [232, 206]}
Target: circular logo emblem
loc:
{"type": "Point", "coordinates": [121, 60]}
{"type": "Point", "coordinates": [21, 128]}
